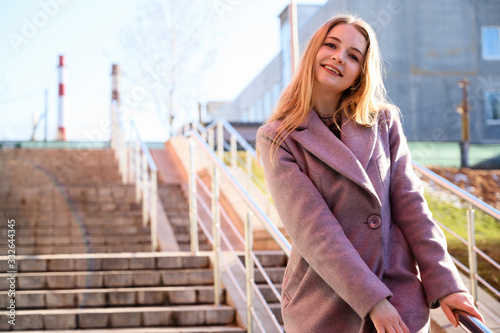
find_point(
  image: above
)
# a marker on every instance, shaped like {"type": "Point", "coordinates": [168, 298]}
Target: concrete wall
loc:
{"type": "Point", "coordinates": [428, 46]}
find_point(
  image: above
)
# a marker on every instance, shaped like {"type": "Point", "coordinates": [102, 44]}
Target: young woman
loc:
{"type": "Point", "coordinates": [366, 255]}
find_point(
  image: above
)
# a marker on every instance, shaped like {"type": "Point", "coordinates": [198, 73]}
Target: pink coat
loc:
{"type": "Point", "coordinates": [359, 226]}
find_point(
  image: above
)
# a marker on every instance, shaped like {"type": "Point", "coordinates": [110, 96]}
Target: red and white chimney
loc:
{"type": "Point", "coordinates": [61, 130]}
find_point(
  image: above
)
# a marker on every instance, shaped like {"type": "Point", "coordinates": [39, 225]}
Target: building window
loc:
{"type": "Point", "coordinates": [244, 117]}
{"type": "Point", "coordinates": [492, 107]}
{"type": "Point", "coordinates": [251, 114]}
{"type": "Point", "coordinates": [490, 36]}
{"type": "Point", "coordinates": [258, 111]}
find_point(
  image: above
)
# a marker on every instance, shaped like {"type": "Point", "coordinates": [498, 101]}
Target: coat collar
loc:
{"type": "Point", "coordinates": [349, 156]}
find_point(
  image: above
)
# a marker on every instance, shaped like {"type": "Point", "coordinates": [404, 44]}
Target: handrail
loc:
{"type": "Point", "coordinates": [281, 240]}
{"type": "Point", "coordinates": [471, 324]}
{"type": "Point", "coordinates": [473, 251]}
{"type": "Point", "coordinates": [137, 166]}
{"type": "Point", "coordinates": [145, 150]}
{"type": "Point", "coordinates": [457, 191]}
{"type": "Point", "coordinates": [278, 236]}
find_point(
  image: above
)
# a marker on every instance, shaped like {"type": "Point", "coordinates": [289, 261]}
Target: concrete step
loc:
{"type": "Point", "coordinates": [109, 297]}
{"type": "Point", "coordinates": [269, 258]}
{"type": "Point", "coordinates": [31, 166]}
{"type": "Point", "coordinates": [276, 309]}
{"type": "Point", "coordinates": [107, 262]}
{"type": "Point", "coordinates": [189, 315]}
{"type": "Point", "coordinates": [268, 294]}
{"type": "Point", "coordinates": [65, 249]}
{"type": "Point", "coordinates": [187, 247]}
{"type": "Point", "coordinates": [198, 329]}
{"type": "Point", "coordinates": [66, 231]}
{"type": "Point", "coordinates": [108, 279]}
{"type": "Point", "coordinates": [79, 240]}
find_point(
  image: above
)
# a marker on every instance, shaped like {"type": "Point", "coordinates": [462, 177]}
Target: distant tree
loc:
{"type": "Point", "coordinates": [168, 51]}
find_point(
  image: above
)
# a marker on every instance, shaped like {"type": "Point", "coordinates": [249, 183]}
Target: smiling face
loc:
{"type": "Point", "coordinates": [339, 59]}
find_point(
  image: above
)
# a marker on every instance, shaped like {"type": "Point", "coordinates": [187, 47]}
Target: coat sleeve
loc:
{"type": "Point", "coordinates": [315, 232]}
{"type": "Point", "coordinates": [411, 213]}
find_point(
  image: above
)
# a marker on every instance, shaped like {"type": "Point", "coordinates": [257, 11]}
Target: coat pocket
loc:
{"type": "Point", "coordinates": [292, 279]}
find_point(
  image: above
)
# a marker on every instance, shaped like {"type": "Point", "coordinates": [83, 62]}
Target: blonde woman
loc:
{"type": "Point", "coordinates": [366, 254]}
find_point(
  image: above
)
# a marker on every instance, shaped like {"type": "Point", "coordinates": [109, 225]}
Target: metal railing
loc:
{"type": "Point", "coordinates": [222, 137]}
{"type": "Point", "coordinates": [199, 148]}
{"type": "Point", "coordinates": [473, 204]}
{"type": "Point", "coordinates": [471, 324]}
{"type": "Point", "coordinates": [214, 147]}
{"type": "Point", "coordinates": [137, 167]}
{"type": "Point", "coordinates": [237, 153]}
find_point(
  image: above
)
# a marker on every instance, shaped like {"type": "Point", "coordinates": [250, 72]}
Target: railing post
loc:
{"type": "Point", "coordinates": [234, 150]}
{"type": "Point", "coordinates": [471, 233]}
{"type": "Point", "coordinates": [131, 164]}
{"type": "Point", "coordinates": [220, 140]}
{"type": "Point", "coordinates": [145, 190]}
{"type": "Point", "coordinates": [154, 211]}
{"type": "Point", "coordinates": [211, 141]}
{"type": "Point", "coordinates": [193, 204]}
{"type": "Point", "coordinates": [249, 165]}
{"type": "Point", "coordinates": [249, 268]}
{"type": "Point", "coordinates": [113, 128]}
{"type": "Point", "coordinates": [215, 233]}
{"type": "Point", "coordinates": [124, 159]}
{"type": "Point", "coordinates": [137, 172]}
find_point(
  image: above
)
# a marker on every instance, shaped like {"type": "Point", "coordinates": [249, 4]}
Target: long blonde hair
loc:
{"type": "Point", "coordinates": [360, 105]}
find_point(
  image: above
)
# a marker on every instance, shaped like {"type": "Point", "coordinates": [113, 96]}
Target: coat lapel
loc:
{"type": "Point", "coordinates": [359, 139]}
{"type": "Point", "coordinates": [349, 157]}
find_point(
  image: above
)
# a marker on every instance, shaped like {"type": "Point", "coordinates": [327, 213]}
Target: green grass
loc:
{"type": "Point", "coordinates": [447, 154]}
{"type": "Point", "coordinates": [487, 231]}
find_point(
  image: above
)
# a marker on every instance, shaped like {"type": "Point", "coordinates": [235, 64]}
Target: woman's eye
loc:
{"type": "Point", "coordinates": [353, 57]}
{"type": "Point", "coordinates": [330, 45]}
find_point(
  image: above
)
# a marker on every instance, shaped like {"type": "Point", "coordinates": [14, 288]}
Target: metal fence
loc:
{"type": "Point", "coordinates": [136, 167]}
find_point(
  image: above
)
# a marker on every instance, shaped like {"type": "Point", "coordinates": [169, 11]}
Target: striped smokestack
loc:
{"type": "Point", "coordinates": [61, 130]}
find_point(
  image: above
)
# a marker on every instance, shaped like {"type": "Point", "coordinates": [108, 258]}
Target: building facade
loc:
{"type": "Point", "coordinates": [428, 47]}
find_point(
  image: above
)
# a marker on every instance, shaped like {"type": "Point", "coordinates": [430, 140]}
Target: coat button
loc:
{"type": "Point", "coordinates": [374, 221]}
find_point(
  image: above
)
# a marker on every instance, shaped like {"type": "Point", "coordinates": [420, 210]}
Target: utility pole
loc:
{"type": "Point", "coordinates": [463, 109]}
{"type": "Point", "coordinates": [199, 115]}
{"type": "Point", "coordinates": [294, 36]}
{"type": "Point", "coordinates": [46, 112]}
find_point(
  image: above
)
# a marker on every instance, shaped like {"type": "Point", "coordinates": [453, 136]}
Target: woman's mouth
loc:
{"type": "Point", "coordinates": [333, 70]}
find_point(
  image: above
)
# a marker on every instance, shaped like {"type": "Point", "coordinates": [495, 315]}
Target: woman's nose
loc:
{"type": "Point", "coordinates": [338, 57]}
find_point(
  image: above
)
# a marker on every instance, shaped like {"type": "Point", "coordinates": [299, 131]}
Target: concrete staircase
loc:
{"type": "Point", "coordinates": [68, 197]}
{"type": "Point", "coordinates": [114, 291]}
{"type": "Point", "coordinates": [174, 200]}
{"type": "Point", "coordinates": [82, 257]}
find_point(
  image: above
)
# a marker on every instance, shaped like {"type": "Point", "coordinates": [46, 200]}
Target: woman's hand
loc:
{"type": "Point", "coordinates": [386, 318]}
{"type": "Point", "coordinates": [459, 301]}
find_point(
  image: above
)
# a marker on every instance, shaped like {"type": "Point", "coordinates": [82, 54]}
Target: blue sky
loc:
{"type": "Point", "coordinates": [33, 33]}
